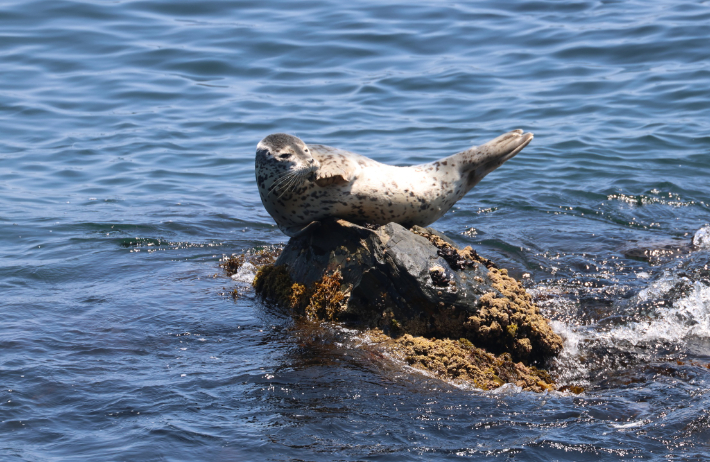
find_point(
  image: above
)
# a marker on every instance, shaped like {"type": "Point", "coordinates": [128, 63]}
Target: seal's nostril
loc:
{"type": "Point", "coordinates": [310, 161]}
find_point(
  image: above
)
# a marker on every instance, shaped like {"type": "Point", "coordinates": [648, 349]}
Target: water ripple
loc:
{"type": "Point", "coordinates": [126, 172]}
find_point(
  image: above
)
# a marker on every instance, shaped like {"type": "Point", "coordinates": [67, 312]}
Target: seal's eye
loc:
{"type": "Point", "coordinates": [284, 156]}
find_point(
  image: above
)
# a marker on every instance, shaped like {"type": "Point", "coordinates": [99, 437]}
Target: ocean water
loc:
{"type": "Point", "coordinates": [127, 140]}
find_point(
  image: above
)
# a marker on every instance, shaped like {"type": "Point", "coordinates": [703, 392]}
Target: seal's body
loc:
{"type": "Point", "coordinates": [300, 184]}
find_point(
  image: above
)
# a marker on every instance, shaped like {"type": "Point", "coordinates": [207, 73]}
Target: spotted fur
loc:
{"type": "Point", "coordinates": [300, 184]}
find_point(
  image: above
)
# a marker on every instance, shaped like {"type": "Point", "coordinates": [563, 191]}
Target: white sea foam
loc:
{"type": "Point", "coordinates": [634, 424]}
{"type": "Point", "coordinates": [569, 367]}
{"type": "Point", "coordinates": [687, 317]}
{"type": "Point", "coordinates": [674, 323]}
{"type": "Point", "coordinates": [246, 273]}
{"type": "Point", "coordinates": [658, 288]}
{"type": "Point", "coordinates": [702, 237]}
{"type": "Point", "coordinates": [571, 336]}
{"type": "Point", "coordinates": [506, 389]}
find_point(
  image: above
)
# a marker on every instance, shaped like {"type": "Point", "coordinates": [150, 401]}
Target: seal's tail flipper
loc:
{"type": "Point", "coordinates": [479, 161]}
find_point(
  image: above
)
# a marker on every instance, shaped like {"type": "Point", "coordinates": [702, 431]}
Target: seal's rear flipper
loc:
{"type": "Point", "coordinates": [479, 161]}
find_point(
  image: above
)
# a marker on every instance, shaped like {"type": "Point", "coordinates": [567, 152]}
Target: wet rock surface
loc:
{"type": "Point", "coordinates": [402, 281]}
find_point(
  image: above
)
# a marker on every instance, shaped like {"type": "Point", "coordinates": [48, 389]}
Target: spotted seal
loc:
{"type": "Point", "coordinates": [300, 184]}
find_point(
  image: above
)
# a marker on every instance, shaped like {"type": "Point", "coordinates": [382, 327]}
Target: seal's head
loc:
{"type": "Point", "coordinates": [282, 163]}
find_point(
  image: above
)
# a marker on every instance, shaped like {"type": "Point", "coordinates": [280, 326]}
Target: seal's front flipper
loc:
{"type": "Point", "coordinates": [335, 166]}
{"type": "Point", "coordinates": [329, 178]}
{"type": "Point", "coordinates": [295, 231]}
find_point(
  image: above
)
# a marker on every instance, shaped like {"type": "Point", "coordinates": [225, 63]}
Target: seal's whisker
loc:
{"type": "Point", "coordinates": [295, 180]}
{"type": "Point", "coordinates": [276, 185]}
{"type": "Point", "coordinates": [299, 179]}
{"type": "Point", "coordinates": [283, 189]}
{"type": "Point", "coordinates": [281, 182]}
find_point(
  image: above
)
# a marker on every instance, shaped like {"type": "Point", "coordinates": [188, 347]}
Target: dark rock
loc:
{"type": "Point", "coordinates": [420, 283]}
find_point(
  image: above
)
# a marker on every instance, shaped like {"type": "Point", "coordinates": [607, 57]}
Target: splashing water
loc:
{"type": "Point", "coordinates": [701, 239]}
{"type": "Point", "coordinates": [687, 317]}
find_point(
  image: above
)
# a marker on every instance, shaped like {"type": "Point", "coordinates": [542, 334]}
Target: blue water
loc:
{"type": "Point", "coordinates": [127, 139]}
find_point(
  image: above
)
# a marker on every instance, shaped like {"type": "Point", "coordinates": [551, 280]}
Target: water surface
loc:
{"type": "Point", "coordinates": [127, 140]}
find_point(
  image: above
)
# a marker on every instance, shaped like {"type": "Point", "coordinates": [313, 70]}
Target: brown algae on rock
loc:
{"type": "Point", "coordinates": [510, 321]}
{"type": "Point", "coordinates": [326, 298]}
{"type": "Point", "coordinates": [258, 257]}
{"type": "Point", "coordinates": [274, 282]}
{"type": "Point", "coordinates": [501, 331]}
{"type": "Point", "coordinates": [459, 361]}
{"type": "Point", "coordinates": [322, 300]}
{"type": "Point", "coordinates": [507, 319]}
{"type": "Point", "coordinates": [251, 260]}
{"type": "Point", "coordinates": [455, 257]}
